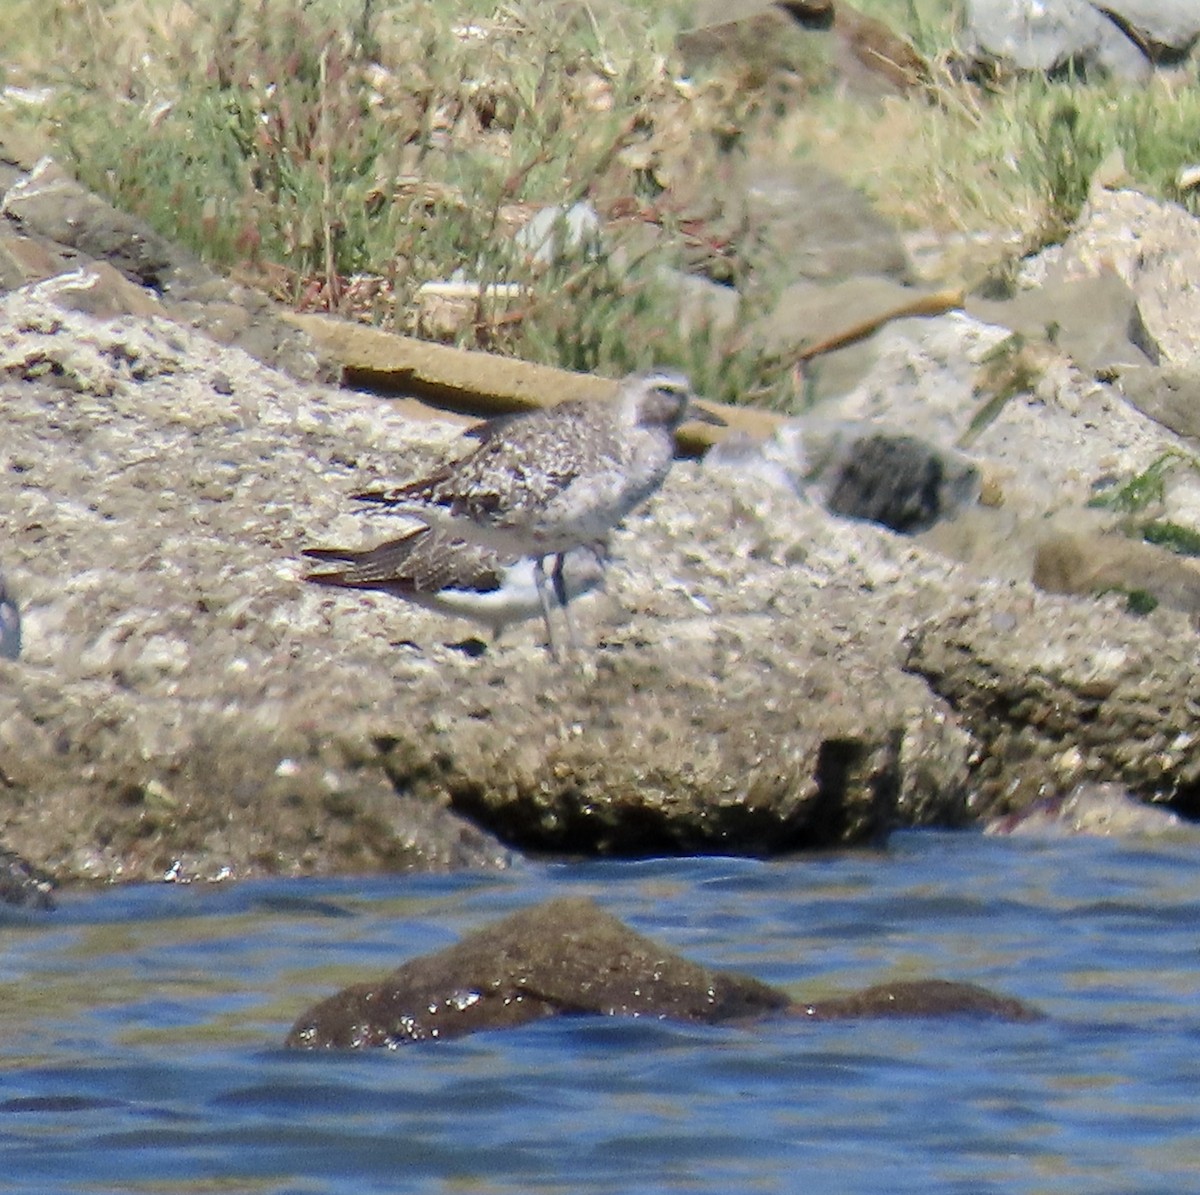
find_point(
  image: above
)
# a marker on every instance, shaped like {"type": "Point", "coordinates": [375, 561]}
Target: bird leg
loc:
{"type": "Point", "coordinates": [560, 581]}
{"type": "Point", "coordinates": [539, 578]}
{"type": "Point", "coordinates": [560, 592]}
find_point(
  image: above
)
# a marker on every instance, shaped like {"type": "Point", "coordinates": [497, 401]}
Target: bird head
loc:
{"type": "Point", "coordinates": [664, 398]}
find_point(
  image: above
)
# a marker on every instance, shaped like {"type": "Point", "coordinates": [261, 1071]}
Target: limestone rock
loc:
{"type": "Point", "coordinates": [55, 231]}
{"type": "Point", "coordinates": [1169, 396]}
{"type": "Point", "coordinates": [1098, 564]}
{"type": "Point", "coordinates": [1155, 248]}
{"type": "Point", "coordinates": [1072, 696]}
{"type": "Point", "coordinates": [1126, 38]}
{"type": "Point", "coordinates": [1095, 809]}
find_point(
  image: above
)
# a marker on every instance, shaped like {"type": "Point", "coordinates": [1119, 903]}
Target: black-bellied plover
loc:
{"type": "Point", "coordinates": [546, 481]}
{"type": "Point", "coordinates": [10, 625]}
{"type": "Point", "coordinates": [438, 572]}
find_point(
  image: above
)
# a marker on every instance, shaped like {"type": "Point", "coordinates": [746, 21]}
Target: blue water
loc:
{"type": "Point", "coordinates": [139, 1033]}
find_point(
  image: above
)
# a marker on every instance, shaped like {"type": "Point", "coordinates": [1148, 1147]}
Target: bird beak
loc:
{"type": "Point", "coordinates": [702, 415]}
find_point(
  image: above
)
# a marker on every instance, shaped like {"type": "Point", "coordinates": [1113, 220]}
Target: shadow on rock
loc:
{"type": "Point", "coordinates": [567, 957]}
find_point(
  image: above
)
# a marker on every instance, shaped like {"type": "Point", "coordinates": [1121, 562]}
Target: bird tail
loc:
{"type": "Point", "coordinates": [364, 565]}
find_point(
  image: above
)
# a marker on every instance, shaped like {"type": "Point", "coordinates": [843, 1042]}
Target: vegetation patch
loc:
{"type": "Point", "coordinates": [380, 161]}
{"type": "Point", "coordinates": [1183, 541]}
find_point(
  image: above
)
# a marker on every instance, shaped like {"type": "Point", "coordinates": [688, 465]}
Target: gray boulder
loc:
{"type": "Point", "coordinates": [1165, 29]}
{"type": "Point", "coordinates": [1125, 38]}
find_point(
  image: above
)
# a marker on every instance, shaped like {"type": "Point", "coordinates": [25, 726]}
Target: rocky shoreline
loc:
{"type": "Point", "coordinates": [766, 676]}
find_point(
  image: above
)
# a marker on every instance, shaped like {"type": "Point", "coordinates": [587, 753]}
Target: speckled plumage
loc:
{"type": "Point", "coordinates": [439, 572]}
{"type": "Point", "coordinates": [544, 482]}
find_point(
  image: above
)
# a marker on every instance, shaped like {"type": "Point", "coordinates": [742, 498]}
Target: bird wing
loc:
{"type": "Point", "coordinates": [422, 562]}
{"type": "Point", "coordinates": [522, 458]}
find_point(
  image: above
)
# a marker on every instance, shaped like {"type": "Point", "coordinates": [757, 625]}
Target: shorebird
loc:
{"type": "Point", "coordinates": [544, 482]}
{"type": "Point", "coordinates": [438, 572]}
{"type": "Point", "coordinates": [10, 625]}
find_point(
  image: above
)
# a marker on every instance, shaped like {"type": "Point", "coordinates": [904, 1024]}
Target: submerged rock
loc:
{"type": "Point", "coordinates": [921, 998]}
{"type": "Point", "coordinates": [561, 957]}
{"type": "Point", "coordinates": [567, 957]}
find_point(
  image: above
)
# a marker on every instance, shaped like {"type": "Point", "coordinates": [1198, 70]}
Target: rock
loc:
{"type": "Point", "coordinates": [809, 225]}
{"type": "Point", "coordinates": [858, 471]}
{"type": "Point", "coordinates": [921, 998]}
{"type": "Point", "coordinates": [1154, 247]}
{"type": "Point", "coordinates": [827, 325]}
{"type": "Point", "coordinates": [1168, 396]}
{"type": "Point", "coordinates": [10, 624]}
{"type": "Point", "coordinates": [705, 307]}
{"type": "Point", "coordinates": [188, 707]}
{"type": "Point", "coordinates": [1165, 31]}
{"type": "Point", "coordinates": [871, 58]}
{"type": "Point", "coordinates": [54, 231]}
{"type": "Point", "coordinates": [1098, 564]}
{"type": "Point", "coordinates": [649, 757]}
{"type": "Point", "coordinates": [766, 43]}
{"type": "Point", "coordinates": [49, 203]}
{"type": "Point", "coordinates": [23, 886]}
{"type": "Point", "coordinates": [901, 483]}
{"type": "Point", "coordinates": [24, 259]}
{"type": "Point", "coordinates": [742, 455]}
{"type": "Point", "coordinates": [185, 706]}
{"type": "Point", "coordinates": [100, 290]}
{"type": "Point", "coordinates": [577, 228]}
{"type": "Point", "coordinates": [563, 957]}
{"type": "Point", "coordinates": [1075, 696]}
{"type": "Point", "coordinates": [923, 380]}
{"type": "Point", "coordinates": [1045, 443]}
{"type": "Point", "coordinates": [1099, 809]}
{"type": "Point", "coordinates": [1094, 320]}
{"type": "Point", "coordinates": [757, 41]}
{"type": "Point", "coordinates": [1125, 38]}
{"type": "Point", "coordinates": [568, 958]}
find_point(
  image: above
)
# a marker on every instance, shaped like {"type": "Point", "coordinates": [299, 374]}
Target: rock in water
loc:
{"type": "Point", "coordinates": [558, 958]}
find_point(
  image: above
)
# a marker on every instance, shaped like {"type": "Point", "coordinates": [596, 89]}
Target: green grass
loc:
{"type": "Point", "coordinates": [304, 146]}
{"type": "Point", "coordinates": [1149, 487]}
{"type": "Point", "coordinates": [1183, 541]}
